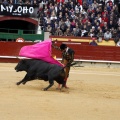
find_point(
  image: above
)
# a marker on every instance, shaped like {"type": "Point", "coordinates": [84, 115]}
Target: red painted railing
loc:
{"type": "Point", "coordinates": [86, 52]}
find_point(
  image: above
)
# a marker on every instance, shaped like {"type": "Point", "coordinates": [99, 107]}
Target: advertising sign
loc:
{"type": "Point", "coordinates": [19, 10]}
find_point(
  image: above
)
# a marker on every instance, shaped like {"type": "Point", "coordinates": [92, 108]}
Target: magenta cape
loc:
{"type": "Point", "coordinates": [40, 51]}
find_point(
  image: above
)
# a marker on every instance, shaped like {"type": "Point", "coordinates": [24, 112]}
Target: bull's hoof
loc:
{"type": "Point", "coordinates": [63, 89]}
{"type": "Point", "coordinates": [24, 83]}
{"type": "Point", "coordinates": [58, 88]}
{"type": "Point", "coordinates": [45, 89]}
{"type": "Point", "coordinates": [17, 83]}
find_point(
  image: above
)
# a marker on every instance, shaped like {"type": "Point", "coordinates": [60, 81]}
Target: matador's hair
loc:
{"type": "Point", "coordinates": [63, 46]}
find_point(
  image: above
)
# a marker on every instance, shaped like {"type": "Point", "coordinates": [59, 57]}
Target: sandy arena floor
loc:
{"type": "Point", "coordinates": [94, 94]}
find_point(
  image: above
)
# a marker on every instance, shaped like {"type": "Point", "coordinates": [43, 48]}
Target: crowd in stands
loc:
{"type": "Point", "coordinates": [20, 2]}
{"type": "Point", "coordinates": [81, 18]}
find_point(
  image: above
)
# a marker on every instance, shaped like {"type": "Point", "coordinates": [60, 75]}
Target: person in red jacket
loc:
{"type": "Point", "coordinates": [105, 18]}
{"type": "Point", "coordinates": [79, 1]}
{"type": "Point", "coordinates": [60, 1]}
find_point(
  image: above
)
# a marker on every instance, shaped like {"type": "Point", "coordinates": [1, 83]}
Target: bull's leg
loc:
{"type": "Point", "coordinates": [51, 83]}
{"type": "Point", "coordinates": [24, 80]}
{"type": "Point", "coordinates": [63, 85]}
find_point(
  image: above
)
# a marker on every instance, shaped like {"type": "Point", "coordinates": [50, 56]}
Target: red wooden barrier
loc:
{"type": "Point", "coordinates": [86, 52]}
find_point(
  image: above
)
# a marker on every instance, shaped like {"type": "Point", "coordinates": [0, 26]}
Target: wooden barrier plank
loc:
{"type": "Point", "coordinates": [81, 51]}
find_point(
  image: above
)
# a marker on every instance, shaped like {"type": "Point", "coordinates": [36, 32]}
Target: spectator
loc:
{"type": "Point", "coordinates": [63, 27]}
{"type": "Point", "coordinates": [89, 2]}
{"type": "Point", "coordinates": [88, 26]}
{"type": "Point", "coordinates": [105, 27]}
{"type": "Point", "coordinates": [84, 31]}
{"type": "Point", "coordinates": [53, 15]}
{"type": "Point", "coordinates": [107, 35]}
{"type": "Point", "coordinates": [91, 33]}
{"type": "Point", "coordinates": [105, 18]}
{"type": "Point", "coordinates": [20, 2]}
{"type": "Point", "coordinates": [35, 2]}
{"type": "Point", "coordinates": [85, 6]}
{"type": "Point", "coordinates": [67, 33]}
{"type": "Point", "coordinates": [93, 43]}
{"type": "Point", "coordinates": [58, 32]}
{"type": "Point", "coordinates": [110, 24]}
{"type": "Point", "coordinates": [11, 2]}
{"type": "Point", "coordinates": [5, 2]}
{"type": "Point", "coordinates": [118, 43]}
{"type": "Point", "coordinates": [116, 35]}
{"type": "Point", "coordinates": [48, 28]}
{"type": "Point", "coordinates": [77, 8]}
{"type": "Point", "coordinates": [110, 3]}
{"type": "Point", "coordinates": [67, 22]}
{"type": "Point", "coordinates": [100, 35]}
{"type": "Point", "coordinates": [94, 31]}
{"type": "Point", "coordinates": [27, 2]}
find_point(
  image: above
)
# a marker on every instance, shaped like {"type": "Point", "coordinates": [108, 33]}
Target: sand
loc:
{"type": "Point", "coordinates": [93, 94]}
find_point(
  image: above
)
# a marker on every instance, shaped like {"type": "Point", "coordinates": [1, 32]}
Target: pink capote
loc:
{"type": "Point", "coordinates": [40, 51]}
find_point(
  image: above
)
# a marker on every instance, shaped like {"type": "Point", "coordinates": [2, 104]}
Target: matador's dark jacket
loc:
{"type": "Point", "coordinates": [68, 54]}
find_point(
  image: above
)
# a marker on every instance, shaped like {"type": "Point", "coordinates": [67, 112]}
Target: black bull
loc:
{"type": "Point", "coordinates": [38, 69]}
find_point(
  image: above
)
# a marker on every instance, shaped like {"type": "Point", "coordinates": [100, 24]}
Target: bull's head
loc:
{"type": "Point", "coordinates": [21, 66]}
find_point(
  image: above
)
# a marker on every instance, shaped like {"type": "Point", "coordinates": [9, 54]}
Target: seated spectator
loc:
{"type": "Point", "coordinates": [78, 30]}
{"type": "Point", "coordinates": [118, 43]}
{"type": "Point", "coordinates": [77, 8]}
{"type": "Point", "coordinates": [93, 43]}
{"type": "Point", "coordinates": [94, 31]}
{"type": "Point", "coordinates": [20, 2]}
{"type": "Point", "coordinates": [104, 12]}
{"type": "Point", "coordinates": [107, 35]}
{"type": "Point", "coordinates": [91, 33]}
{"type": "Point", "coordinates": [89, 2]}
{"type": "Point", "coordinates": [67, 22]}
{"type": "Point", "coordinates": [84, 32]}
{"type": "Point", "coordinates": [58, 32]}
{"type": "Point", "coordinates": [100, 35]}
{"type": "Point", "coordinates": [35, 2]}
{"type": "Point", "coordinates": [27, 2]}
{"type": "Point", "coordinates": [11, 2]}
{"type": "Point", "coordinates": [63, 27]}
{"type": "Point", "coordinates": [67, 33]}
{"type": "Point", "coordinates": [48, 28]}
{"type": "Point", "coordinates": [72, 24]}
{"type": "Point", "coordinates": [115, 36]}
{"type": "Point", "coordinates": [99, 18]}
{"type": "Point", "coordinates": [110, 24]}
{"type": "Point", "coordinates": [89, 26]}
{"type": "Point", "coordinates": [110, 3]}
{"type": "Point", "coordinates": [104, 27]}
{"type": "Point", "coordinates": [95, 4]}
{"type": "Point", "coordinates": [53, 16]}
{"type": "Point", "coordinates": [108, 7]}
{"type": "Point", "coordinates": [74, 32]}
{"type": "Point", "coordinates": [85, 5]}
{"type": "Point", "coordinates": [105, 18]}
{"type": "Point", "coordinates": [5, 2]}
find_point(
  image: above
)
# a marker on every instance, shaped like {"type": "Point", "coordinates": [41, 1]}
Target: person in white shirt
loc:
{"type": "Point", "coordinates": [118, 43]}
{"type": "Point", "coordinates": [107, 35]}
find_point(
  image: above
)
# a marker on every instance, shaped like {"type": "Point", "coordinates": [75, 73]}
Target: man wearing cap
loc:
{"type": "Point", "coordinates": [93, 42]}
{"type": "Point", "coordinates": [67, 59]}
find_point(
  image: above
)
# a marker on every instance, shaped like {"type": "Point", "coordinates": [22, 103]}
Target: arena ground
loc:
{"type": "Point", "coordinates": [94, 94]}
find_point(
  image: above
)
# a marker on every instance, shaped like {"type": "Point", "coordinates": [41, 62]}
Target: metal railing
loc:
{"type": "Point", "coordinates": [27, 35]}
